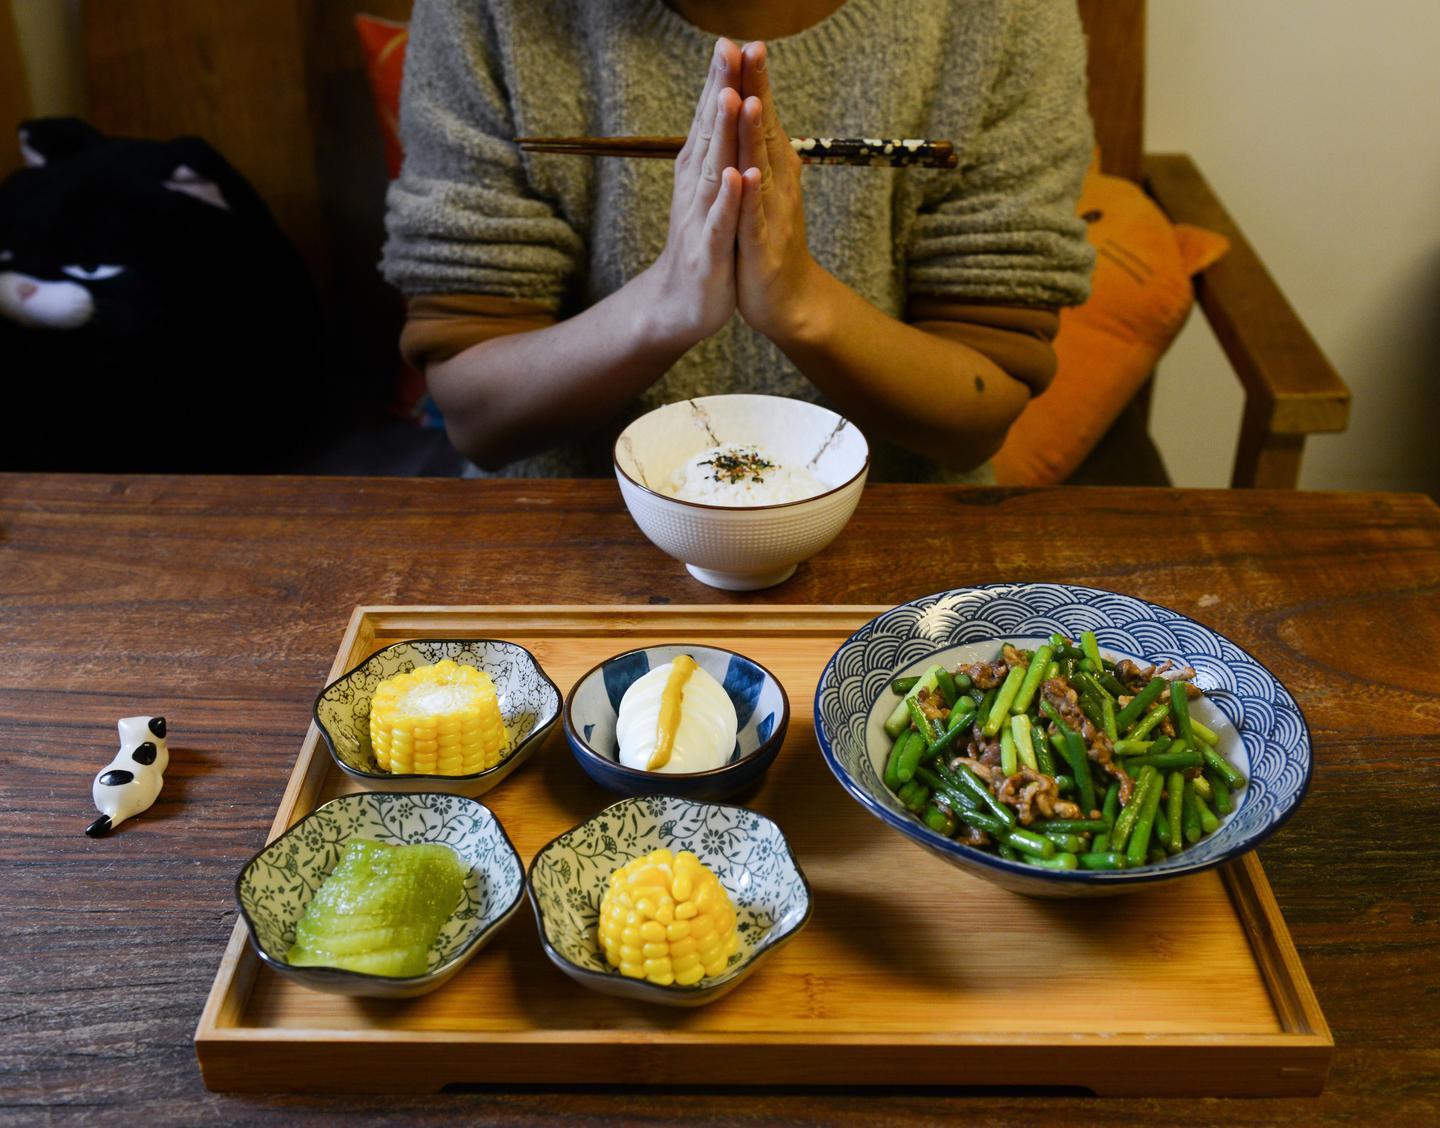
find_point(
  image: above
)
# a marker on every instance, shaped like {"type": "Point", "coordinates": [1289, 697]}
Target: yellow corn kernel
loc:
{"type": "Point", "coordinates": [666, 918]}
{"type": "Point", "coordinates": [688, 976]}
{"type": "Point", "coordinates": [681, 948]}
{"type": "Point", "coordinates": [437, 720]}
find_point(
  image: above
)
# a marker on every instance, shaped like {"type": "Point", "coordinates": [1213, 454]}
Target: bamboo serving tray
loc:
{"type": "Point", "coordinates": [909, 973]}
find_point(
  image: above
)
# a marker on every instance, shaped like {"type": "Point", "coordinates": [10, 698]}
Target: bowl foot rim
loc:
{"type": "Point", "coordinates": [741, 581]}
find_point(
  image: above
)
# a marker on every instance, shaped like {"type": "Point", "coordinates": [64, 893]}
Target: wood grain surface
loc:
{"type": "Point", "coordinates": [870, 992]}
{"type": "Point", "coordinates": [220, 602]}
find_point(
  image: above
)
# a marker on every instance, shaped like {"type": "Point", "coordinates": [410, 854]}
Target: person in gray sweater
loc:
{"type": "Point", "coordinates": [553, 298]}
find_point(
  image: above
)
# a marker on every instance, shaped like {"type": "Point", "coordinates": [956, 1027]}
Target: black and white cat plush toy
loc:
{"type": "Point", "coordinates": [153, 316]}
{"type": "Point", "coordinates": [130, 782]}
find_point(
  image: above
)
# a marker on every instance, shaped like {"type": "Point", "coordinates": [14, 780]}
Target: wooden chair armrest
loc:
{"type": "Point", "coordinates": [1291, 389]}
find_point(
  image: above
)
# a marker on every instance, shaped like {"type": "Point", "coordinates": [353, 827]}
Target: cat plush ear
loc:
{"type": "Point", "coordinates": [202, 173]}
{"type": "Point", "coordinates": [186, 179]}
{"type": "Point", "coordinates": [44, 141]}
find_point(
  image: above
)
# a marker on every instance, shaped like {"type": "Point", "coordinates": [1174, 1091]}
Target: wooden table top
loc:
{"type": "Point", "coordinates": [220, 602]}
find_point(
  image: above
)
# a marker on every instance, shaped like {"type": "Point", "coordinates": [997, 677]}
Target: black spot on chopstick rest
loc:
{"type": "Point", "coordinates": [132, 780]}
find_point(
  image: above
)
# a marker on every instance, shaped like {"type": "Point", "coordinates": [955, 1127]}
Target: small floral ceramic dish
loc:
{"type": "Point", "coordinates": [745, 850]}
{"type": "Point", "coordinates": [761, 708]}
{"type": "Point", "coordinates": [276, 885]}
{"type": "Point", "coordinates": [1261, 729]}
{"type": "Point", "coordinates": [529, 706]}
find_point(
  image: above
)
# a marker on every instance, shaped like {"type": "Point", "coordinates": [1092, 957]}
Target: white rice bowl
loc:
{"type": "Point", "coordinates": [756, 543]}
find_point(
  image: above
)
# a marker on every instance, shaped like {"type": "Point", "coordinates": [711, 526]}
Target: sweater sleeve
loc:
{"type": "Point", "coordinates": [1005, 229]}
{"type": "Point", "coordinates": [463, 217]}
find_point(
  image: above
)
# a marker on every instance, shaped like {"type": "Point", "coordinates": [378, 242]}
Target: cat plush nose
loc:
{"type": "Point", "coordinates": [27, 290]}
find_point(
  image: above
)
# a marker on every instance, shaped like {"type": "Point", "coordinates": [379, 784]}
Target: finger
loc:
{"type": "Point", "coordinates": [721, 152]}
{"type": "Point", "coordinates": [752, 227]}
{"type": "Point", "coordinates": [755, 82]}
{"type": "Point", "coordinates": [721, 222]}
{"type": "Point", "coordinates": [751, 134]}
{"type": "Point", "coordinates": [705, 107]}
{"type": "Point", "coordinates": [753, 153]}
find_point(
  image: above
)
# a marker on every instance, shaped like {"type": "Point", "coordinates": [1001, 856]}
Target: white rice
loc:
{"type": "Point", "coordinates": [700, 480]}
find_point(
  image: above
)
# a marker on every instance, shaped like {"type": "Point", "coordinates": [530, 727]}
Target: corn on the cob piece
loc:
{"type": "Point", "coordinates": [666, 918]}
{"type": "Point", "coordinates": [437, 720]}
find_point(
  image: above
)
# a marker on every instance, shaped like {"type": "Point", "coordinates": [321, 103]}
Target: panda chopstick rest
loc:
{"type": "Point", "coordinates": [131, 781]}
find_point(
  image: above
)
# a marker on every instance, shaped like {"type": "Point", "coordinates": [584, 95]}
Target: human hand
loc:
{"type": "Point", "coordinates": [694, 275]}
{"type": "Point", "coordinates": [774, 271]}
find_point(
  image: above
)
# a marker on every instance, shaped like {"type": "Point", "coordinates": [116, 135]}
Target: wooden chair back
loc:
{"type": "Point", "coordinates": [1116, 33]}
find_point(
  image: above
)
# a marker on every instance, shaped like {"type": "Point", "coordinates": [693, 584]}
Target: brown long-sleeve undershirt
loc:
{"type": "Point", "coordinates": [1017, 339]}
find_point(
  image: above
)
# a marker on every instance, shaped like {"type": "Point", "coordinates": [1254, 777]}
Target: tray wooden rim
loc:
{"type": "Point", "coordinates": [1305, 1039]}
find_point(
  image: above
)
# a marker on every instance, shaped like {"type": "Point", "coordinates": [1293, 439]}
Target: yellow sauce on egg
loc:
{"type": "Point", "coordinates": [669, 722]}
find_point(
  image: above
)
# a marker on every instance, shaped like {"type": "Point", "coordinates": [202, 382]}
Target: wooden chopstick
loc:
{"type": "Point", "coordinates": [888, 152]}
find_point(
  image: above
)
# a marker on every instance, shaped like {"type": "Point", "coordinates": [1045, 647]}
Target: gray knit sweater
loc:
{"type": "Point", "coordinates": [1003, 79]}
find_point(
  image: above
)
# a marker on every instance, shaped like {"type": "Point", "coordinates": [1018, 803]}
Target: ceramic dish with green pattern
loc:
{"type": "Point", "coordinates": [277, 884]}
{"type": "Point", "coordinates": [529, 708]}
{"type": "Point", "coordinates": [746, 851]}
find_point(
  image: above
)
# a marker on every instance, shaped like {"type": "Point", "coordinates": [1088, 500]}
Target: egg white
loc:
{"type": "Point", "coordinates": [708, 724]}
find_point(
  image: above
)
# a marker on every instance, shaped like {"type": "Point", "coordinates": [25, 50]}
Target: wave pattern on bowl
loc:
{"type": "Point", "coordinates": [1273, 732]}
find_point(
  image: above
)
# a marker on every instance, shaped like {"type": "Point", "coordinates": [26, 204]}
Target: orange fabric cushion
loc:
{"type": "Point", "coordinates": [1140, 296]}
{"type": "Point", "coordinates": [383, 43]}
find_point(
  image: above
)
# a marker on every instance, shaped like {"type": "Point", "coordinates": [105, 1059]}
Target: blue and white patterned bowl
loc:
{"type": "Point", "coordinates": [761, 708]}
{"type": "Point", "coordinates": [276, 885]}
{"type": "Point", "coordinates": [1262, 731]}
{"type": "Point", "coordinates": [529, 706]}
{"type": "Point", "coordinates": [744, 849]}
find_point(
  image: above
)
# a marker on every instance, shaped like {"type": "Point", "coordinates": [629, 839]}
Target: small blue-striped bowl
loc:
{"type": "Point", "coordinates": [761, 708]}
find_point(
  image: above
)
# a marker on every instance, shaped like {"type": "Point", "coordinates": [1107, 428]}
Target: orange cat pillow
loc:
{"type": "Point", "coordinates": [1140, 296]}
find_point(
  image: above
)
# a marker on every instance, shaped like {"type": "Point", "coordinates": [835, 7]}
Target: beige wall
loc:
{"type": "Point", "coordinates": [1318, 123]}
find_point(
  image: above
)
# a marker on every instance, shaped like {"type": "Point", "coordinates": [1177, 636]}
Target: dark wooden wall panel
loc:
{"type": "Point", "coordinates": [350, 174]}
{"type": "Point", "coordinates": [233, 73]}
{"type": "Point", "coordinates": [278, 86]}
{"type": "Point", "coordinates": [14, 98]}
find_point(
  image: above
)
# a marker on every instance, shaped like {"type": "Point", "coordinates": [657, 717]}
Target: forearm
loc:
{"type": "Point", "coordinates": [929, 394]}
{"type": "Point", "coordinates": [512, 396]}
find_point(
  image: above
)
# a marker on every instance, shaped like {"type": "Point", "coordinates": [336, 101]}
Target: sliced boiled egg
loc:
{"type": "Point", "coordinates": [676, 718]}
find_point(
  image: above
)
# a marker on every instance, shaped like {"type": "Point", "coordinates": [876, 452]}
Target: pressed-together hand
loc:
{"type": "Point", "coordinates": [696, 270]}
{"type": "Point", "coordinates": [774, 271]}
